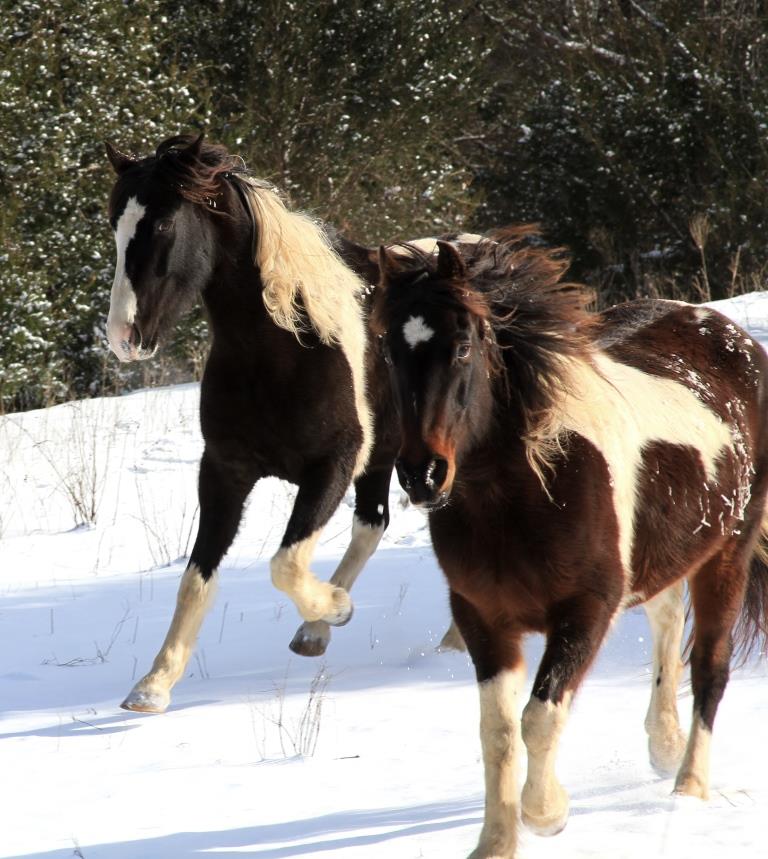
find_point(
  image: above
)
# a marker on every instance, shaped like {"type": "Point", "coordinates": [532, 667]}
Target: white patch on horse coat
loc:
{"type": "Point", "coordinates": [417, 331]}
{"type": "Point", "coordinates": [428, 245]}
{"type": "Point", "coordinates": [122, 302]}
{"type": "Point", "coordinates": [620, 410]}
{"type": "Point", "coordinates": [500, 739]}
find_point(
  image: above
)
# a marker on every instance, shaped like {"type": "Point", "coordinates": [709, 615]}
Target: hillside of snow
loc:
{"type": "Point", "coordinates": [371, 751]}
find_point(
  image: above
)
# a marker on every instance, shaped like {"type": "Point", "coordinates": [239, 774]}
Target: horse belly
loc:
{"type": "Point", "coordinates": [281, 416]}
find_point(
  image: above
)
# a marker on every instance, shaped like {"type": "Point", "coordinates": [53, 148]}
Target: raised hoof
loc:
{"type": "Point", "coordinates": [310, 641]}
{"type": "Point", "coordinates": [140, 701]}
{"type": "Point", "coordinates": [546, 826]}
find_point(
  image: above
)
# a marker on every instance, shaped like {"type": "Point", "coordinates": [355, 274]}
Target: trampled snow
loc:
{"type": "Point", "coordinates": [381, 761]}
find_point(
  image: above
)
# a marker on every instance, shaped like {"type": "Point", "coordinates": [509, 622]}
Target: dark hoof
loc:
{"type": "Point", "coordinates": [306, 643]}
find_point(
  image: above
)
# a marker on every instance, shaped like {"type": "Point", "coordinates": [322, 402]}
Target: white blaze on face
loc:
{"type": "Point", "coordinates": [122, 304]}
{"type": "Point", "coordinates": [417, 331]}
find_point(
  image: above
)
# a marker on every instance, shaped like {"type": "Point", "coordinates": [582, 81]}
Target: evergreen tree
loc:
{"type": "Point", "coordinates": [73, 75]}
{"type": "Point", "coordinates": [355, 108]}
{"type": "Point", "coordinates": [636, 130]}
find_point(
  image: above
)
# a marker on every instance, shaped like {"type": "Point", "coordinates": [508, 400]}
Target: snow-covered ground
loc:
{"type": "Point", "coordinates": [372, 751]}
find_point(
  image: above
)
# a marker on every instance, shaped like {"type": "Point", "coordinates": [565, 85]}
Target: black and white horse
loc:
{"type": "Point", "coordinates": [284, 389]}
{"type": "Point", "coordinates": [574, 464]}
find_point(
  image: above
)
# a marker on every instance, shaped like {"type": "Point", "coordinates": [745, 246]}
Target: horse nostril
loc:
{"type": "Point", "coordinates": [437, 471]}
{"type": "Point", "coordinates": [403, 474]}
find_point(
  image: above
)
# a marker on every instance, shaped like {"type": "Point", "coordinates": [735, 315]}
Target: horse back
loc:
{"type": "Point", "coordinates": [700, 489]}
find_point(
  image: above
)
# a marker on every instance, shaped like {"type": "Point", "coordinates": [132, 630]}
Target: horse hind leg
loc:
{"type": "Point", "coordinates": [666, 742]}
{"type": "Point", "coordinates": [717, 592]}
{"type": "Point", "coordinates": [370, 521]}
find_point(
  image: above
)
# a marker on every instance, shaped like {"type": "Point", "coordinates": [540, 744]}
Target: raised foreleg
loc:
{"type": "Point", "coordinates": [370, 521]}
{"type": "Point", "coordinates": [321, 489]}
{"type": "Point", "coordinates": [222, 491]}
{"type": "Point", "coordinates": [500, 670]}
{"type": "Point", "coordinates": [666, 742]}
{"type": "Point", "coordinates": [577, 629]}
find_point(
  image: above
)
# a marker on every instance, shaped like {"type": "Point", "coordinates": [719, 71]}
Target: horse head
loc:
{"type": "Point", "coordinates": [435, 331]}
{"type": "Point", "coordinates": [160, 209]}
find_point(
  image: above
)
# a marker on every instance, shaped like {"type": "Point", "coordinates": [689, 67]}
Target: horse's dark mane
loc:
{"type": "Point", "coordinates": [514, 284]}
{"type": "Point", "coordinates": [196, 175]}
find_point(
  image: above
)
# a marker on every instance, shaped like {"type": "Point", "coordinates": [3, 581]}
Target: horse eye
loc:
{"type": "Point", "coordinates": [164, 225]}
{"type": "Point", "coordinates": [463, 351]}
{"type": "Point", "coordinates": [386, 353]}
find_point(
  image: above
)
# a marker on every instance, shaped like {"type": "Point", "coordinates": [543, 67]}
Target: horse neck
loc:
{"type": "Point", "coordinates": [496, 452]}
{"type": "Point", "coordinates": [233, 294]}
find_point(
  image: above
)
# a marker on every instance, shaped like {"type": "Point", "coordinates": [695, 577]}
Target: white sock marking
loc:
{"type": "Point", "coordinates": [500, 736]}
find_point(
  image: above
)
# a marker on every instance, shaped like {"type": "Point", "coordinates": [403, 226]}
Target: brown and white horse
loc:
{"type": "Point", "coordinates": [574, 464]}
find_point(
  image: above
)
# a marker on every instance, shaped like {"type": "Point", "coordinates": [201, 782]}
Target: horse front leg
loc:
{"type": "Point", "coordinates": [666, 742]}
{"type": "Point", "coordinates": [222, 492]}
{"type": "Point", "coordinates": [575, 635]}
{"type": "Point", "coordinates": [369, 523]}
{"type": "Point", "coordinates": [320, 491]}
{"type": "Point", "coordinates": [500, 670]}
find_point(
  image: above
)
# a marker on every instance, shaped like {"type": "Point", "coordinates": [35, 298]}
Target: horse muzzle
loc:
{"type": "Point", "coordinates": [125, 342]}
{"type": "Point", "coordinates": [426, 482]}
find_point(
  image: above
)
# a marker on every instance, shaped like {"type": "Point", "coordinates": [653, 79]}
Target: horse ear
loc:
{"type": "Point", "coordinates": [449, 264]}
{"type": "Point", "coordinates": [119, 161]}
{"type": "Point", "coordinates": [364, 261]}
{"type": "Point", "coordinates": [196, 146]}
{"type": "Point", "coordinates": [388, 267]}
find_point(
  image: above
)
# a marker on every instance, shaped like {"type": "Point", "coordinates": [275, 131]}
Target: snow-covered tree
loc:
{"type": "Point", "coordinates": [73, 74]}
{"type": "Point", "coordinates": [637, 131]}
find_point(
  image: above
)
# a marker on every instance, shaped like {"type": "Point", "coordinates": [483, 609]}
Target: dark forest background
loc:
{"type": "Point", "coordinates": [636, 133]}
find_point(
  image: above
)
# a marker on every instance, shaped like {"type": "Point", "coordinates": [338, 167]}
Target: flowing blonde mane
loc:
{"type": "Point", "coordinates": [305, 283]}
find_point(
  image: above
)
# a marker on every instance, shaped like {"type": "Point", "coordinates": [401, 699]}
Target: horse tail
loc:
{"type": "Point", "coordinates": [751, 631]}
